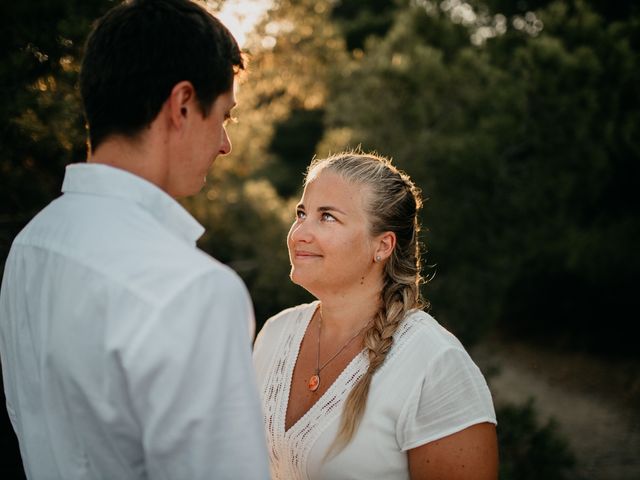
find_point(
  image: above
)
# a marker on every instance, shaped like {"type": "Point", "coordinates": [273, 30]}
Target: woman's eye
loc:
{"type": "Point", "coordinates": [300, 214]}
{"type": "Point", "coordinates": [327, 217]}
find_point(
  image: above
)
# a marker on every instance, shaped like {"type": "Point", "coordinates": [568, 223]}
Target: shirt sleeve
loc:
{"type": "Point", "coordinates": [193, 387]}
{"type": "Point", "coordinates": [452, 396]}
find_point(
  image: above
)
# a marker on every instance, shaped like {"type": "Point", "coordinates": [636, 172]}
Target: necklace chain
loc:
{"type": "Point", "coordinates": [314, 381]}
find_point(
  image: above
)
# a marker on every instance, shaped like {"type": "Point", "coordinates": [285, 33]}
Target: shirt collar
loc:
{"type": "Point", "coordinates": [99, 179]}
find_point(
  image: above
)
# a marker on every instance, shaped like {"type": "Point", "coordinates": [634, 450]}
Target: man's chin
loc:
{"type": "Point", "coordinates": [190, 190]}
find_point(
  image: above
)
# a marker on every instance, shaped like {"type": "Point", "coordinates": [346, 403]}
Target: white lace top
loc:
{"type": "Point", "coordinates": [427, 388]}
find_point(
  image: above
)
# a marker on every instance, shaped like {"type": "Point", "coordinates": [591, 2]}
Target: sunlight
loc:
{"type": "Point", "coordinates": [241, 16]}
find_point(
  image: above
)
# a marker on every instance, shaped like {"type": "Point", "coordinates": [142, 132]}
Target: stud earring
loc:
{"type": "Point", "coordinates": [378, 258]}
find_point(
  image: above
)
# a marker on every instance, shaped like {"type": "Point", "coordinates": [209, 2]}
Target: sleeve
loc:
{"type": "Point", "coordinates": [8, 347]}
{"type": "Point", "coordinates": [262, 345]}
{"type": "Point", "coordinates": [263, 351]}
{"type": "Point", "coordinates": [193, 387]}
{"type": "Point", "coordinates": [452, 396]}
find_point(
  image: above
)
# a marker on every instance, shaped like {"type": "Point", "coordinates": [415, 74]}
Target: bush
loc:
{"type": "Point", "coordinates": [529, 451]}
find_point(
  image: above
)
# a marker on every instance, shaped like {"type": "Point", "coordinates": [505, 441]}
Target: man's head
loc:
{"type": "Point", "coordinates": [139, 51]}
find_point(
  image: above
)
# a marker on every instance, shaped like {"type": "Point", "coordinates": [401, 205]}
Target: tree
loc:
{"type": "Point", "coordinates": [42, 125]}
{"type": "Point", "coordinates": [522, 139]}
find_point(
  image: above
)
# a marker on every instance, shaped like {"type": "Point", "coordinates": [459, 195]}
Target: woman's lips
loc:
{"type": "Point", "coordinates": [303, 255]}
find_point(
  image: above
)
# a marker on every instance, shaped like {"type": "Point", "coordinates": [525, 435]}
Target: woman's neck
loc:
{"type": "Point", "coordinates": [344, 314]}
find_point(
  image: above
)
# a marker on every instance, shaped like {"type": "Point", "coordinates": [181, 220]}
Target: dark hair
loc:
{"type": "Point", "coordinates": [139, 50]}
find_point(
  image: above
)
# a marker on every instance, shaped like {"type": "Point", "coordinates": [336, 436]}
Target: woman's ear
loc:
{"type": "Point", "coordinates": [386, 242]}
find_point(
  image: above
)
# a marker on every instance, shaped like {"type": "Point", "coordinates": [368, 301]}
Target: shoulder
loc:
{"type": "Point", "coordinates": [284, 319]}
{"type": "Point", "coordinates": [421, 330]}
{"type": "Point", "coordinates": [219, 279]}
{"type": "Point", "coordinates": [278, 325]}
{"type": "Point", "coordinates": [447, 391]}
{"type": "Point", "coordinates": [122, 244]}
{"type": "Point", "coordinates": [182, 272]}
{"type": "Point", "coordinates": [422, 343]}
{"type": "Point", "coordinates": [439, 359]}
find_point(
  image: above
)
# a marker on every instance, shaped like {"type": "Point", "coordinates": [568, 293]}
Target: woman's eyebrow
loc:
{"type": "Point", "coordinates": [329, 208]}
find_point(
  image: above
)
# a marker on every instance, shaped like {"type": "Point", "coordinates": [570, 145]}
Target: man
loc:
{"type": "Point", "coordinates": [125, 349]}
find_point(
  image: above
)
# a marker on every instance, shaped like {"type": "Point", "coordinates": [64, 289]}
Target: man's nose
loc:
{"type": "Point", "coordinates": [225, 148]}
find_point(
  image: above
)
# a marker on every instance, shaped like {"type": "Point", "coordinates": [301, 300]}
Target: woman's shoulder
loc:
{"type": "Point", "coordinates": [419, 328]}
{"type": "Point", "coordinates": [277, 327]}
{"type": "Point", "coordinates": [426, 346]}
{"type": "Point", "coordinates": [283, 319]}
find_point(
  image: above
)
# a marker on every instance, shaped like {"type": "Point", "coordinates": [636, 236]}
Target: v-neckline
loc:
{"type": "Point", "coordinates": [304, 325]}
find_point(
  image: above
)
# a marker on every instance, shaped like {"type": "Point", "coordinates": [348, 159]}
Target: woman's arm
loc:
{"type": "Point", "coordinates": [471, 454]}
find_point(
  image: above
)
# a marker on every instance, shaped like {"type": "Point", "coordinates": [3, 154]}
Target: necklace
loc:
{"type": "Point", "coordinates": [314, 380]}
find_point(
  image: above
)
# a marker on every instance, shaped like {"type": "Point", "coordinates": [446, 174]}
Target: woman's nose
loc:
{"type": "Point", "coordinates": [301, 232]}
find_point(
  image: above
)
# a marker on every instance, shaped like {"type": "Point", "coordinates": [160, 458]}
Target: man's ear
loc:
{"type": "Point", "coordinates": [181, 103]}
{"type": "Point", "coordinates": [386, 242]}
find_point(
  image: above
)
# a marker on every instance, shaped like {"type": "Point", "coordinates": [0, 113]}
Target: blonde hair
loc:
{"type": "Point", "coordinates": [392, 204]}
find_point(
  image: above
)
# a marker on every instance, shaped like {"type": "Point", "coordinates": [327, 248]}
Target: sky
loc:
{"type": "Point", "coordinates": [240, 16]}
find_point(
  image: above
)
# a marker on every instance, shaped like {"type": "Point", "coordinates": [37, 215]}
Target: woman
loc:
{"type": "Point", "coordinates": [361, 383]}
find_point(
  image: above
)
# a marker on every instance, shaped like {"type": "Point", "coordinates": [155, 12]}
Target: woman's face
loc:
{"type": "Point", "coordinates": [330, 248]}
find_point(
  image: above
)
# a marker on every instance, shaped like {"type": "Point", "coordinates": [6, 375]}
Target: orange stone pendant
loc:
{"type": "Point", "coordinates": [314, 383]}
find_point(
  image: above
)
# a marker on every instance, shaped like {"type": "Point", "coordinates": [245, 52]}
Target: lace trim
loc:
{"type": "Point", "coordinates": [276, 395]}
{"type": "Point", "coordinates": [289, 450]}
{"type": "Point", "coordinates": [301, 437]}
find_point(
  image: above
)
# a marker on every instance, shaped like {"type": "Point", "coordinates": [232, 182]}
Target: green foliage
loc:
{"type": "Point", "coordinates": [42, 125]}
{"type": "Point", "coordinates": [292, 145]}
{"type": "Point", "coordinates": [529, 451]}
{"type": "Point", "coordinates": [582, 110]}
{"type": "Point", "coordinates": [360, 19]}
{"type": "Point", "coordinates": [524, 141]}
{"type": "Point", "coordinates": [526, 149]}
{"type": "Point", "coordinates": [433, 114]}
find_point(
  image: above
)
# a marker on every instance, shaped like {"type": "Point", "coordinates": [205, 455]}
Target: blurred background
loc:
{"type": "Point", "coordinates": [520, 121]}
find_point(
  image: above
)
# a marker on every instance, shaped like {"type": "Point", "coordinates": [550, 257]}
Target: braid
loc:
{"type": "Point", "coordinates": [393, 206]}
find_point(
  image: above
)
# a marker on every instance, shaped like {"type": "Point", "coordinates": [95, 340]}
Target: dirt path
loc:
{"type": "Point", "coordinates": [593, 401]}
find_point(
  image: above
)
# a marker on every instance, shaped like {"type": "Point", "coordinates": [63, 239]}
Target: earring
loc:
{"type": "Point", "coordinates": [378, 258]}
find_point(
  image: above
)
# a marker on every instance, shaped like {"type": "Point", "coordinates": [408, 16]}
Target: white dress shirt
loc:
{"type": "Point", "coordinates": [126, 351]}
